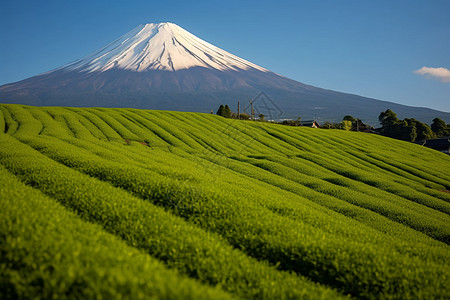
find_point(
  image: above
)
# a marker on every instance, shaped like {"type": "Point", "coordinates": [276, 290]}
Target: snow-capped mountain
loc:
{"type": "Point", "coordinates": [160, 46]}
{"type": "Point", "coordinates": [162, 66]}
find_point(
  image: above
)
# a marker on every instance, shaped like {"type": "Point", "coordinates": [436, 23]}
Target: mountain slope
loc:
{"type": "Point", "coordinates": [162, 66]}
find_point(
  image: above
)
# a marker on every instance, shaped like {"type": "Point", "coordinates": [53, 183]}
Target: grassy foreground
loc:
{"type": "Point", "coordinates": [133, 204]}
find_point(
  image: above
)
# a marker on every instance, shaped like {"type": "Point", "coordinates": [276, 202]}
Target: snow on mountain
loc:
{"type": "Point", "coordinates": [160, 46]}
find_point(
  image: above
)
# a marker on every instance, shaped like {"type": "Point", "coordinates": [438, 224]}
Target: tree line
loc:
{"type": "Point", "coordinates": [348, 123]}
{"type": "Point", "coordinates": [226, 112]}
{"type": "Point", "coordinates": [410, 129]}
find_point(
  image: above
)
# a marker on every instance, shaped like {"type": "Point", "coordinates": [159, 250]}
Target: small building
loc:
{"type": "Point", "coordinates": [370, 129]}
{"type": "Point", "coordinates": [309, 123]}
{"type": "Point", "coordinates": [442, 144]}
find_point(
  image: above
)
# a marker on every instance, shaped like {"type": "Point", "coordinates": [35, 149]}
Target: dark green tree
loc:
{"type": "Point", "coordinates": [412, 131]}
{"type": "Point", "coordinates": [261, 117]}
{"type": "Point", "coordinates": [227, 112]}
{"type": "Point", "coordinates": [395, 128]}
{"type": "Point", "coordinates": [391, 125]}
{"type": "Point", "coordinates": [220, 111]}
{"type": "Point", "coordinates": [357, 124]}
{"type": "Point", "coordinates": [440, 128]}
{"type": "Point", "coordinates": [423, 131]}
{"type": "Point", "coordinates": [329, 125]}
{"type": "Point", "coordinates": [401, 130]}
{"type": "Point", "coordinates": [388, 118]}
{"type": "Point", "coordinates": [349, 118]}
{"type": "Point", "coordinates": [244, 116]}
{"type": "Point", "coordinates": [407, 129]}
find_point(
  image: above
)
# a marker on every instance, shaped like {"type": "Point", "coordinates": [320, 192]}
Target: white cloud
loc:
{"type": "Point", "coordinates": [441, 74]}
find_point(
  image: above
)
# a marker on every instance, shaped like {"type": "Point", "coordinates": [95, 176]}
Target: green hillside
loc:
{"type": "Point", "coordinates": [103, 203]}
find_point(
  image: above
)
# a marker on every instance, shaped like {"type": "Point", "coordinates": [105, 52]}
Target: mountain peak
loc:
{"type": "Point", "coordinates": [160, 46]}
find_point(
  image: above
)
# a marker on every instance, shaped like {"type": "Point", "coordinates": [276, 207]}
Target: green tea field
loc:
{"type": "Point", "coordinates": [103, 203]}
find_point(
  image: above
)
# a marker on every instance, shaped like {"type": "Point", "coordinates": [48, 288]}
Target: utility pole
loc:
{"type": "Point", "coordinates": [239, 112]}
{"type": "Point", "coordinates": [253, 112]}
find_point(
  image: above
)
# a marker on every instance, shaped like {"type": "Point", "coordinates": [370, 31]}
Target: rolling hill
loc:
{"type": "Point", "coordinates": [138, 204]}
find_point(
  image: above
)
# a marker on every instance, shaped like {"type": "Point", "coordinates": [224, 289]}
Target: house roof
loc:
{"type": "Point", "coordinates": [443, 142]}
{"type": "Point", "coordinates": [308, 122]}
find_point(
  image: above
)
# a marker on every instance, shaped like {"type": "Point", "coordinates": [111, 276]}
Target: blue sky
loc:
{"type": "Point", "coordinates": [369, 48]}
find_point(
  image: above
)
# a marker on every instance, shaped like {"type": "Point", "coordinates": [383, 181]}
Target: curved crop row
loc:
{"type": "Point", "coordinates": [192, 251]}
{"type": "Point", "coordinates": [78, 259]}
